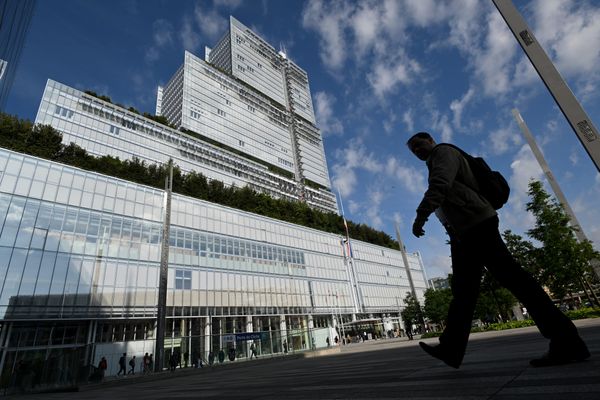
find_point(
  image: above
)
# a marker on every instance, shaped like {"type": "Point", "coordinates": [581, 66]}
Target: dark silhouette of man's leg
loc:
{"type": "Point", "coordinates": [466, 279]}
{"type": "Point", "coordinates": [565, 343]}
{"type": "Point", "coordinates": [491, 249]}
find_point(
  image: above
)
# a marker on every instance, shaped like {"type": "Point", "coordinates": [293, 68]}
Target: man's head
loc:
{"type": "Point", "coordinates": [421, 144]}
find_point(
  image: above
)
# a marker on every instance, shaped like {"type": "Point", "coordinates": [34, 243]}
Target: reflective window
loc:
{"type": "Point", "coordinates": [13, 276]}
{"type": "Point", "coordinates": [183, 279]}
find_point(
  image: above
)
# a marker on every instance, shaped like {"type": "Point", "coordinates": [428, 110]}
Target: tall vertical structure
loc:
{"type": "Point", "coordinates": [15, 17]}
{"type": "Point", "coordinates": [255, 101]}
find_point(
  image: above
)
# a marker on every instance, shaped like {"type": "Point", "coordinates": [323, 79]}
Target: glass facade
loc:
{"type": "Point", "coordinates": [256, 101]}
{"type": "Point", "coordinates": [103, 128]}
{"type": "Point", "coordinates": [80, 256]}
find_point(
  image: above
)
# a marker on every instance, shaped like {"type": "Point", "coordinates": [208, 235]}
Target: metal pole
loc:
{"type": "Point", "coordinates": [409, 274]}
{"type": "Point", "coordinates": [554, 184]}
{"type": "Point", "coordinates": [162, 285]}
{"type": "Point", "coordinates": [576, 116]}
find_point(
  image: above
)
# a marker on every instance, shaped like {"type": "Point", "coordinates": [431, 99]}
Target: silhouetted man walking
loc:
{"type": "Point", "coordinates": [475, 243]}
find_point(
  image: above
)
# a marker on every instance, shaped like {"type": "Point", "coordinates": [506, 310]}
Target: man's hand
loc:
{"type": "Point", "coordinates": [417, 228]}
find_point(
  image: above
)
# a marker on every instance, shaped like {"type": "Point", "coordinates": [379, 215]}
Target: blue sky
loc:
{"type": "Point", "coordinates": [379, 71]}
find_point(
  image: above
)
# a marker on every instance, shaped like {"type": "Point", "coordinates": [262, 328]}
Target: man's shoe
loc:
{"type": "Point", "coordinates": [439, 353]}
{"type": "Point", "coordinates": [563, 352]}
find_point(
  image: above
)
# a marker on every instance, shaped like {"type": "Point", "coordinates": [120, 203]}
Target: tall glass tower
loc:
{"type": "Point", "coordinates": [253, 100]}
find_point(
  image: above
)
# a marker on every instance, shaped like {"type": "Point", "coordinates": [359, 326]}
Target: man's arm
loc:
{"type": "Point", "coordinates": [444, 165]}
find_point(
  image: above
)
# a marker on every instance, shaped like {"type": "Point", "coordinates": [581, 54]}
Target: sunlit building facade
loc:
{"type": "Point", "coordinates": [79, 265]}
{"type": "Point", "coordinates": [254, 100]}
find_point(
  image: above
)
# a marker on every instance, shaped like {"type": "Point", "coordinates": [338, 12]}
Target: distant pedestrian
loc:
{"type": "Point", "coordinates": [455, 195]}
{"type": "Point", "coordinates": [122, 364]}
{"type": "Point", "coordinates": [131, 366]}
{"type": "Point", "coordinates": [145, 363]}
{"type": "Point", "coordinates": [285, 347]}
{"type": "Point", "coordinates": [336, 340]}
{"type": "Point", "coordinates": [172, 362]}
{"type": "Point", "coordinates": [253, 351]}
{"type": "Point", "coordinates": [102, 367]}
{"type": "Point", "coordinates": [327, 341]}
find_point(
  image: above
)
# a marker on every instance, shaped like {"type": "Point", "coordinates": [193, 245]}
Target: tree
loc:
{"type": "Point", "coordinates": [411, 314]}
{"type": "Point", "coordinates": [562, 262]}
{"type": "Point", "coordinates": [522, 250]}
{"type": "Point", "coordinates": [436, 305]}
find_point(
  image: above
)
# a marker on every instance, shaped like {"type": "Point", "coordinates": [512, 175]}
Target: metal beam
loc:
{"type": "Point", "coordinates": [576, 116]}
{"type": "Point", "coordinates": [554, 184]}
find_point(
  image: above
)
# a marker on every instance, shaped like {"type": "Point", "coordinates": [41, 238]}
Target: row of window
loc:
{"type": "Point", "coordinates": [63, 112]}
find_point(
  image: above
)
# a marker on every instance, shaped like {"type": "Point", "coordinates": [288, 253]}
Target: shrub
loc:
{"type": "Point", "coordinates": [583, 313]}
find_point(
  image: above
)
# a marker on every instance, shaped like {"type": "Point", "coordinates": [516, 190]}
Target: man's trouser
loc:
{"type": "Point", "coordinates": [482, 246]}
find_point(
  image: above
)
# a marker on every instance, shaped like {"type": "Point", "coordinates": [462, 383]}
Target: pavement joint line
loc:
{"type": "Point", "coordinates": [507, 383]}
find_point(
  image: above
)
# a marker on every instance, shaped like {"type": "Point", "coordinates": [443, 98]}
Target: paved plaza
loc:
{"type": "Point", "coordinates": [495, 367]}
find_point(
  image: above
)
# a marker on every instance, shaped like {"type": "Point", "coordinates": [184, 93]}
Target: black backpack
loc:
{"type": "Point", "coordinates": [492, 184]}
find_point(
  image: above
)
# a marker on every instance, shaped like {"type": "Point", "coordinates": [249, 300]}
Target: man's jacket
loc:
{"type": "Point", "coordinates": [452, 189]}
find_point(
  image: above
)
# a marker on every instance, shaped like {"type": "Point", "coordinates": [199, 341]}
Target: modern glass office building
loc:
{"type": "Point", "coordinates": [80, 252]}
{"type": "Point", "coordinates": [253, 99]}
{"type": "Point", "coordinates": [103, 128]}
{"type": "Point", "coordinates": [79, 266]}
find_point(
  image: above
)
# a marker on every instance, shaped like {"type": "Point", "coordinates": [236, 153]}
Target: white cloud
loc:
{"type": "Point", "coordinates": [524, 168]}
{"type": "Point", "coordinates": [328, 123]}
{"type": "Point", "coordinates": [408, 119]}
{"type": "Point", "coordinates": [162, 35]}
{"type": "Point", "coordinates": [355, 156]}
{"type": "Point", "coordinates": [574, 157]}
{"type": "Point", "coordinates": [386, 76]}
{"type": "Point", "coordinates": [493, 63]}
{"type": "Point", "coordinates": [344, 179]}
{"type": "Point", "coordinates": [389, 124]}
{"type": "Point", "coordinates": [411, 179]}
{"type": "Point", "coordinates": [210, 22]}
{"type": "Point", "coordinates": [442, 125]}
{"type": "Point", "coordinates": [502, 139]}
{"type": "Point", "coordinates": [189, 38]}
{"type": "Point", "coordinates": [373, 209]}
{"type": "Point", "coordinates": [458, 106]}
{"type": "Point", "coordinates": [162, 32]}
{"type": "Point", "coordinates": [364, 23]}
{"type": "Point", "coordinates": [328, 19]}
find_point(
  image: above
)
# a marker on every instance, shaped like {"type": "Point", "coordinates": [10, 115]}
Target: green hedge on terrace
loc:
{"type": "Point", "coordinates": [45, 142]}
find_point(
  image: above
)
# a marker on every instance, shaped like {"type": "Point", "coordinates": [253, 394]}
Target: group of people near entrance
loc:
{"type": "Point", "coordinates": [146, 366]}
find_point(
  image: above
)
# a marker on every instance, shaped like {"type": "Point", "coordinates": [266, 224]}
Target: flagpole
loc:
{"type": "Point", "coordinates": [348, 258]}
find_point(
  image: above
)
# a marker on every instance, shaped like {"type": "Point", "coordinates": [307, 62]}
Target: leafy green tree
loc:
{"type": "Point", "coordinates": [561, 261]}
{"type": "Point", "coordinates": [412, 313]}
{"type": "Point", "coordinates": [522, 250]}
{"type": "Point", "coordinates": [436, 305]}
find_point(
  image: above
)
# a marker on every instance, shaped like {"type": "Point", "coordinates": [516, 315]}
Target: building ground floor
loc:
{"type": "Point", "coordinates": [56, 353]}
